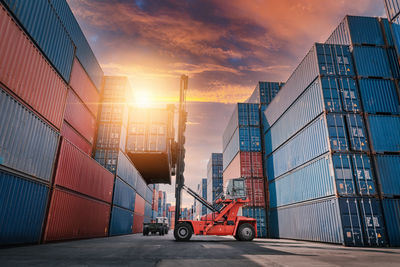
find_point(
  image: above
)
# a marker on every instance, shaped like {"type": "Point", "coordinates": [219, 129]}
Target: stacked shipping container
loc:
{"type": "Point", "coordinates": [242, 157]}
{"type": "Point", "coordinates": [316, 160]}
{"type": "Point", "coordinates": [370, 40]}
{"type": "Point", "coordinates": [214, 177]}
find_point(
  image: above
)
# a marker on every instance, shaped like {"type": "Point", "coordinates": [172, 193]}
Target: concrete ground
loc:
{"type": "Point", "coordinates": [138, 250]}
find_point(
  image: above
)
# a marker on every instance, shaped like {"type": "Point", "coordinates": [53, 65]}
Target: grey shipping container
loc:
{"type": "Point", "coordinates": [43, 25]}
{"type": "Point", "coordinates": [348, 221]}
{"type": "Point", "coordinates": [27, 143]}
{"type": "Point", "coordinates": [83, 51]}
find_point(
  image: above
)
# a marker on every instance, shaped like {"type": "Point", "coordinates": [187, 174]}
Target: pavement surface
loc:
{"type": "Point", "coordinates": [139, 250]}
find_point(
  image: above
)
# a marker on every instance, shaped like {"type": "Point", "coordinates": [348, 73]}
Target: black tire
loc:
{"type": "Point", "coordinates": [145, 231]}
{"type": "Point", "coordinates": [246, 232]}
{"type": "Point", "coordinates": [161, 232]}
{"type": "Point", "coordinates": [166, 231]}
{"type": "Point", "coordinates": [183, 232]}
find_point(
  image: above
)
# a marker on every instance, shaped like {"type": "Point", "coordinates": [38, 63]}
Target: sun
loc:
{"type": "Point", "coordinates": [142, 99]}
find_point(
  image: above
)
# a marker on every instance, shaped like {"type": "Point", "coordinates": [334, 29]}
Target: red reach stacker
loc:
{"type": "Point", "coordinates": [222, 221]}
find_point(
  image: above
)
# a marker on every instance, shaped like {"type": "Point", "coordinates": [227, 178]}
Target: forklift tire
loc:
{"type": "Point", "coordinates": [145, 231]}
{"type": "Point", "coordinates": [160, 232]}
{"type": "Point", "coordinates": [166, 231]}
{"type": "Point", "coordinates": [246, 232]}
{"type": "Point", "coordinates": [183, 232]}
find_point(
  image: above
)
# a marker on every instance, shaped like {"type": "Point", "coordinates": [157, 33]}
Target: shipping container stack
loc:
{"type": "Point", "coordinates": [161, 204]}
{"type": "Point", "coordinates": [36, 89]}
{"type": "Point", "coordinates": [109, 152]}
{"type": "Point", "coordinates": [167, 212]}
{"type": "Point", "coordinates": [321, 184]}
{"type": "Point", "coordinates": [370, 40]}
{"type": "Point", "coordinates": [242, 158]}
{"type": "Point", "coordinates": [204, 193]}
{"type": "Point", "coordinates": [171, 218]}
{"type": "Point", "coordinates": [164, 204]}
{"type": "Point", "coordinates": [214, 177]}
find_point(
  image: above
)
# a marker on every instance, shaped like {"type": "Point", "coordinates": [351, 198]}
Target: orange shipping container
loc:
{"type": "Point", "coordinates": [73, 216]}
{"type": "Point", "coordinates": [84, 88]}
{"type": "Point", "coordinates": [139, 205]}
{"type": "Point", "coordinates": [74, 137]}
{"type": "Point", "coordinates": [25, 71]}
{"type": "Point", "coordinates": [79, 117]}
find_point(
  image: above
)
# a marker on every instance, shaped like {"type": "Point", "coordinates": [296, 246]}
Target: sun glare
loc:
{"type": "Point", "coordinates": [142, 99]}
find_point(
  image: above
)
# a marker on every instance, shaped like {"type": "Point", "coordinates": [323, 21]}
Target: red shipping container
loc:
{"type": "Point", "coordinates": [255, 192]}
{"type": "Point", "coordinates": [79, 117]}
{"type": "Point", "coordinates": [79, 172]}
{"type": "Point", "coordinates": [137, 223]}
{"type": "Point", "coordinates": [245, 164]}
{"type": "Point", "coordinates": [139, 205]}
{"type": "Point", "coordinates": [74, 137]}
{"type": "Point", "coordinates": [25, 72]}
{"type": "Point", "coordinates": [84, 88]}
{"type": "Point", "coordinates": [73, 216]}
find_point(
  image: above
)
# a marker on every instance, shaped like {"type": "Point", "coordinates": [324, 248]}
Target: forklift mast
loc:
{"type": "Point", "coordinates": [180, 163]}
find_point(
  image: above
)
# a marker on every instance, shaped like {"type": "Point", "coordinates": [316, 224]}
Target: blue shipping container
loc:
{"type": "Point", "coordinates": [391, 211]}
{"type": "Point", "coordinates": [348, 221]}
{"type": "Point", "coordinates": [83, 51]}
{"type": "Point", "coordinates": [324, 94]}
{"type": "Point", "coordinates": [27, 143]}
{"type": "Point", "coordinates": [149, 195]}
{"type": "Point", "coordinates": [42, 24]}
{"type": "Point", "coordinates": [379, 96]}
{"type": "Point", "coordinates": [22, 209]}
{"type": "Point", "coordinates": [124, 195]}
{"type": "Point", "coordinates": [147, 209]}
{"type": "Point", "coordinates": [126, 170]}
{"type": "Point", "coordinates": [258, 214]}
{"type": "Point", "coordinates": [329, 175]}
{"type": "Point", "coordinates": [244, 114]}
{"type": "Point", "coordinates": [326, 60]}
{"type": "Point", "coordinates": [385, 133]}
{"type": "Point", "coordinates": [371, 61]}
{"type": "Point", "coordinates": [264, 92]}
{"type": "Point", "coordinates": [121, 221]}
{"type": "Point", "coordinates": [355, 30]}
{"type": "Point", "coordinates": [388, 170]}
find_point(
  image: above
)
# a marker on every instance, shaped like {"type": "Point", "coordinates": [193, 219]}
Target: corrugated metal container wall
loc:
{"type": "Point", "coordinates": [259, 215]}
{"type": "Point", "coordinates": [107, 158]}
{"type": "Point", "coordinates": [141, 187]}
{"type": "Point", "coordinates": [149, 195]}
{"type": "Point", "coordinates": [337, 174]}
{"type": "Point", "coordinates": [264, 92]}
{"type": "Point", "coordinates": [73, 216]}
{"type": "Point", "coordinates": [355, 30]}
{"type": "Point", "coordinates": [391, 211]}
{"type": "Point", "coordinates": [74, 137]}
{"type": "Point", "coordinates": [388, 169]}
{"type": "Point", "coordinates": [126, 171]}
{"type": "Point", "coordinates": [54, 41]}
{"type": "Point", "coordinates": [139, 205]}
{"type": "Point", "coordinates": [83, 50]}
{"type": "Point", "coordinates": [121, 221]}
{"type": "Point", "coordinates": [79, 172]}
{"type": "Point", "coordinates": [84, 88]}
{"type": "Point", "coordinates": [379, 96]}
{"type": "Point", "coordinates": [111, 136]}
{"type": "Point", "coordinates": [387, 31]}
{"type": "Point", "coordinates": [245, 164]}
{"type": "Point", "coordinates": [330, 220]}
{"type": "Point", "coordinates": [147, 210]}
{"type": "Point", "coordinates": [244, 114]}
{"type": "Point", "coordinates": [28, 74]}
{"type": "Point", "coordinates": [392, 8]}
{"type": "Point", "coordinates": [137, 223]}
{"type": "Point", "coordinates": [324, 94]}
{"type": "Point", "coordinates": [371, 62]}
{"type": "Point", "coordinates": [27, 143]}
{"type": "Point", "coordinates": [124, 195]}
{"type": "Point", "coordinates": [22, 209]}
{"type": "Point", "coordinates": [385, 133]}
{"type": "Point", "coordinates": [395, 26]}
{"type": "Point", "coordinates": [255, 192]}
{"type": "Point", "coordinates": [320, 60]}
{"type": "Point", "coordinates": [79, 117]}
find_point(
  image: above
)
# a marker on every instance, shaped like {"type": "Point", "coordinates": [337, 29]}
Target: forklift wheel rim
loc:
{"type": "Point", "coordinates": [183, 232]}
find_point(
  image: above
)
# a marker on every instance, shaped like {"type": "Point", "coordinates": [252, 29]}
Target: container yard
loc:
{"type": "Point", "coordinates": [150, 138]}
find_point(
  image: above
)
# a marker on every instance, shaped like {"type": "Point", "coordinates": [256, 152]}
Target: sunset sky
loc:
{"type": "Point", "coordinates": [225, 46]}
